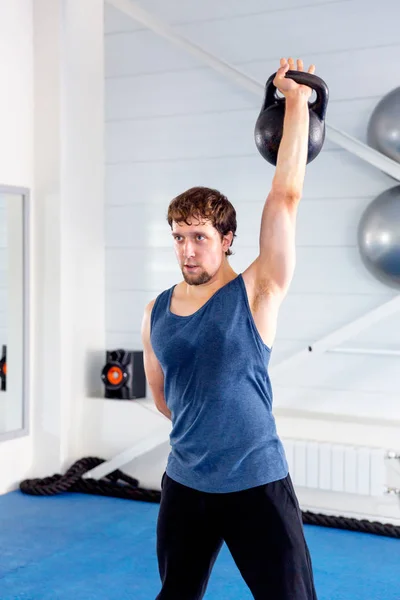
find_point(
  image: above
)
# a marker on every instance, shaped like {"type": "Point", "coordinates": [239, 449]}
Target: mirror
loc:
{"type": "Point", "coordinates": [13, 311]}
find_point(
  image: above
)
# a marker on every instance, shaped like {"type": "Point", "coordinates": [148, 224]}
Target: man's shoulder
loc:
{"type": "Point", "coordinates": [150, 305]}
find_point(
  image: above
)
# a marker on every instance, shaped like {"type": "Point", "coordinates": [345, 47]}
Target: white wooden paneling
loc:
{"type": "Point", "coordinates": [226, 133]}
{"type": "Point", "coordinates": [350, 471]}
{"type": "Point", "coordinates": [337, 468]}
{"type": "Point", "coordinates": [333, 66]}
{"type": "Point", "coordinates": [124, 309]}
{"type": "Point", "coordinates": [116, 21]}
{"type": "Point", "coordinates": [182, 137]}
{"type": "Point", "coordinates": [4, 297]}
{"type": "Point", "coordinates": [305, 317]}
{"type": "Point", "coordinates": [363, 470]}
{"type": "Point", "coordinates": [177, 11]}
{"type": "Point", "coordinates": [150, 269]}
{"type": "Point", "coordinates": [3, 323]}
{"type": "Point", "coordinates": [325, 466]}
{"type": "Point", "coordinates": [174, 93]}
{"type": "Point", "coordinates": [143, 52]}
{"type": "Point", "coordinates": [331, 175]}
{"type": "Point", "coordinates": [282, 349]}
{"type": "Point", "coordinates": [174, 89]}
{"type": "Point", "coordinates": [309, 317]}
{"type": "Point", "coordinates": [383, 335]}
{"type": "Point", "coordinates": [351, 117]}
{"type": "Point", "coordinates": [3, 263]}
{"type": "Point", "coordinates": [138, 226]}
{"type": "Point", "coordinates": [312, 466]}
{"type": "Point", "coordinates": [301, 31]}
{"type": "Point", "coordinates": [300, 464]}
{"type": "Point", "coordinates": [347, 372]}
{"type": "Point", "coordinates": [330, 270]}
{"type": "Point", "coordinates": [129, 340]}
{"type": "Point", "coordinates": [4, 285]}
{"type": "Point", "coordinates": [3, 224]}
{"type": "Point", "coordinates": [237, 177]}
{"type": "Point", "coordinates": [323, 399]}
{"type": "Point", "coordinates": [282, 32]}
{"type": "Point", "coordinates": [378, 472]}
{"type": "Point", "coordinates": [319, 223]}
{"type": "Point", "coordinates": [333, 270]}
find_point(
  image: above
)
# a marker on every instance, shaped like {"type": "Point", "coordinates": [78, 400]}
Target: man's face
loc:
{"type": "Point", "coordinates": [199, 250]}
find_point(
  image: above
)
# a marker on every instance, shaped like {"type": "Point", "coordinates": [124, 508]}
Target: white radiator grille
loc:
{"type": "Point", "coordinates": [336, 468]}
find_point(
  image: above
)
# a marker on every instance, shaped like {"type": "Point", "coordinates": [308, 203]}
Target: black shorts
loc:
{"type": "Point", "coordinates": [261, 526]}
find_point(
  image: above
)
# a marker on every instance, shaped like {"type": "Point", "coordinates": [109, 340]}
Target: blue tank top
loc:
{"type": "Point", "coordinates": [217, 387]}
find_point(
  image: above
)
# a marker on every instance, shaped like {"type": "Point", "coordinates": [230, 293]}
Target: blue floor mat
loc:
{"type": "Point", "coordinates": [81, 547]}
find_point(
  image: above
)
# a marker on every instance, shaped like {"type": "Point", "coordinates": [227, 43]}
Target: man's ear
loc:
{"type": "Point", "coordinates": [227, 240]}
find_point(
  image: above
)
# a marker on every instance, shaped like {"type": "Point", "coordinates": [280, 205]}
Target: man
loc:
{"type": "Point", "coordinates": [207, 343]}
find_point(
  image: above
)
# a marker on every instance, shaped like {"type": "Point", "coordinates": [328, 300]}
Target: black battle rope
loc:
{"type": "Point", "coordinates": [116, 484]}
{"type": "Point", "coordinates": [119, 485]}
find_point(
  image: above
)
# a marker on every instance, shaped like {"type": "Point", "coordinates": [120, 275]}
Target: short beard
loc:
{"type": "Point", "coordinates": [200, 279]}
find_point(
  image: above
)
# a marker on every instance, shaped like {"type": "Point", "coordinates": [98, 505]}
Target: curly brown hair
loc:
{"type": "Point", "coordinates": [204, 203]}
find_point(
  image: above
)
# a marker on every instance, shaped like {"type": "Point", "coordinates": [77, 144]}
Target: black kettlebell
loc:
{"type": "Point", "coordinates": [269, 126]}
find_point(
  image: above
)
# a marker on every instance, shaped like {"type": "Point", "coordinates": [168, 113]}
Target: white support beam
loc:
{"type": "Point", "coordinates": [372, 351]}
{"type": "Point", "coordinates": [143, 446]}
{"type": "Point", "coordinates": [362, 151]}
{"type": "Point", "coordinates": [339, 336]}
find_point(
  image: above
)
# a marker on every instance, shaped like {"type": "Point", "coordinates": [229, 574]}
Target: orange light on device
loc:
{"type": "Point", "coordinates": [115, 375]}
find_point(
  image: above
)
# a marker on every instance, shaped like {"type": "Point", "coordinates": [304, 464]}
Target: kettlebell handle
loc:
{"type": "Point", "coordinates": [302, 78]}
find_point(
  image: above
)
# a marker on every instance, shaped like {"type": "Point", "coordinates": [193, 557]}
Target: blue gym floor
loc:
{"type": "Point", "coordinates": [81, 547]}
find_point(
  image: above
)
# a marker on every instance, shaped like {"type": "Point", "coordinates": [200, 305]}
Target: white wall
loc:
{"type": "Point", "coordinates": [16, 160]}
{"type": "Point", "coordinates": [172, 123]}
{"type": "Point", "coordinates": [52, 123]}
{"type": "Point", "coordinates": [4, 308]}
{"type": "Point", "coordinates": [3, 271]}
{"type": "Point", "coordinates": [69, 188]}
{"type": "Point", "coordinates": [13, 403]}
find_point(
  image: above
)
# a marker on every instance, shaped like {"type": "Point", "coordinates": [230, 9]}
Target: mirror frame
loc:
{"type": "Point", "coordinates": [24, 430]}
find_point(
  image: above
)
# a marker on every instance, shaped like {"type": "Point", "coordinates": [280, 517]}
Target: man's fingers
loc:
{"type": "Point", "coordinates": [283, 68]}
{"type": "Point", "coordinates": [289, 64]}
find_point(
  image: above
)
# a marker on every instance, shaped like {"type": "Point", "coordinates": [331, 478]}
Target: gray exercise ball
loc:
{"type": "Point", "coordinates": [383, 131]}
{"type": "Point", "coordinates": [379, 237]}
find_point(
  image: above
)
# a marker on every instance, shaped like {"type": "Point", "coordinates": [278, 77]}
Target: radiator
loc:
{"type": "Point", "coordinates": [336, 468]}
